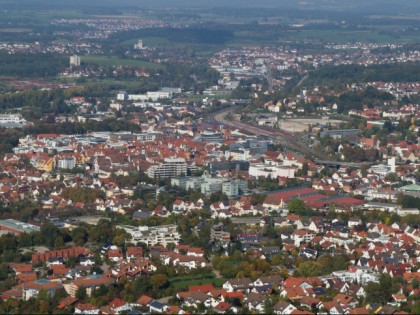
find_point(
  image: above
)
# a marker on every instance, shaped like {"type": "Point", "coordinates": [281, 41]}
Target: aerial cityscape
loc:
{"type": "Point", "coordinates": [210, 157]}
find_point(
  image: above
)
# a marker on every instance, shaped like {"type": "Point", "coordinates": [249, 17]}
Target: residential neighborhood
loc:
{"type": "Point", "coordinates": [218, 158]}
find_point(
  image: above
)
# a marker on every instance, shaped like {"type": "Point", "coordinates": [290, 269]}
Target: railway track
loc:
{"type": "Point", "coordinates": [289, 140]}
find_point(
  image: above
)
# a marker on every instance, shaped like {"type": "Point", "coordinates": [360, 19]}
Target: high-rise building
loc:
{"type": "Point", "coordinates": [139, 44]}
{"type": "Point", "coordinates": [74, 61]}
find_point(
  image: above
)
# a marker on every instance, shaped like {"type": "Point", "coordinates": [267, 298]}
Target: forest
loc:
{"type": "Point", "coordinates": [334, 75]}
{"type": "Point", "coordinates": [32, 65]}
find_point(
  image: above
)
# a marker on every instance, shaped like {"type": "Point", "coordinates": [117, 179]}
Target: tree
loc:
{"type": "Point", "coordinates": [296, 205]}
{"type": "Point", "coordinates": [308, 268]}
{"type": "Point", "coordinates": [268, 305]}
{"type": "Point", "coordinates": [159, 281]}
{"type": "Point", "coordinates": [257, 199]}
{"type": "Point", "coordinates": [379, 292]}
{"type": "Point", "coordinates": [79, 235]}
{"type": "Point", "coordinates": [415, 309]}
{"type": "Point", "coordinates": [58, 242]}
{"type": "Point", "coordinates": [305, 169]}
{"type": "Point", "coordinates": [49, 233]}
{"type": "Point", "coordinates": [81, 294]}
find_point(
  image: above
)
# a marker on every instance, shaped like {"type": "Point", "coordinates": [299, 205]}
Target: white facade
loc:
{"type": "Point", "coordinates": [263, 170]}
{"type": "Point", "coordinates": [66, 163]}
{"type": "Point", "coordinates": [139, 44]}
{"type": "Point", "coordinates": [74, 61]}
{"type": "Point", "coordinates": [171, 167]}
{"type": "Point", "coordinates": [156, 235]}
{"type": "Point", "coordinates": [154, 96]}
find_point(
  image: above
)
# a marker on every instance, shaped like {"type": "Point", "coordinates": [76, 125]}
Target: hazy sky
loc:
{"type": "Point", "coordinates": [368, 6]}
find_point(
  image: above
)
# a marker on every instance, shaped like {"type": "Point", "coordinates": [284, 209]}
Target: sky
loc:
{"type": "Point", "coordinates": [368, 6]}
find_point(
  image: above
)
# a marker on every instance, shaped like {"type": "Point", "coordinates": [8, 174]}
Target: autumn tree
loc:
{"type": "Point", "coordinates": [159, 281]}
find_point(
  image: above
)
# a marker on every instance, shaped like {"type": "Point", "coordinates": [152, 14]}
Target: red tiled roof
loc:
{"type": "Point", "coordinates": [203, 288]}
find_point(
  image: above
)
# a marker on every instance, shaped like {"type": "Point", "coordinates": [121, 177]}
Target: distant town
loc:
{"type": "Point", "coordinates": [156, 163]}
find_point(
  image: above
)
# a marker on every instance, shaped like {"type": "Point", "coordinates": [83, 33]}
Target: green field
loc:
{"type": "Point", "coordinates": [114, 61]}
{"type": "Point", "coordinates": [183, 285]}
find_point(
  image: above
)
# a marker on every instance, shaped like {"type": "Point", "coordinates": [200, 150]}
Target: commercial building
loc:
{"type": "Point", "coordinates": [154, 96]}
{"type": "Point", "coordinates": [12, 121]}
{"type": "Point", "coordinates": [17, 227]}
{"type": "Point", "coordinates": [272, 171]}
{"type": "Point", "coordinates": [209, 137]}
{"type": "Point", "coordinates": [344, 133]}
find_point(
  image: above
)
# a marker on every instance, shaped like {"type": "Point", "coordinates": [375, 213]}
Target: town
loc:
{"type": "Point", "coordinates": [140, 176]}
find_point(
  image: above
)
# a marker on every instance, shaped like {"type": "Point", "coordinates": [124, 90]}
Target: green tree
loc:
{"type": "Point", "coordinates": [295, 205]}
{"type": "Point", "coordinates": [159, 281]}
{"type": "Point", "coordinates": [380, 292]}
{"type": "Point", "coordinates": [308, 268]}
{"type": "Point", "coordinates": [81, 294]}
{"type": "Point", "coordinates": [305, 169]}
{"type": "Point", "coordinates": [49, 233]}
{"type": "Point", "coordinates": [79, 235]}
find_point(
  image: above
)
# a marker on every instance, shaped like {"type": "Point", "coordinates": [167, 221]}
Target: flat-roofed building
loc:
{"type": "Point", "coordinates": [17, 227]}
{"type": "Point", "coordinates": [153, 235]}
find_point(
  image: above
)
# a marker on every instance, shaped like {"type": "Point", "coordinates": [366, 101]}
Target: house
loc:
{"type": "Point", "coordinates": [243, 284]}
{"type": "Point", "coordinates": [309, 302]}
{"type": "Point", "coordinates": [119, 305]}
{"type": "Point", "coordinates": [263, 289]}
{"type": "Point", "coordinates": [67, 301]}
{"type": "Point", "coordinates": [255, 301]}
{"type": "Point", "coordinates": [301, 282]}
{"type": "Point", "coordinates": [283, 307]}
{"type": "Point", "coordinates": [115, 254]}
{"type": "Point", "coordinates": [328, 305]}
{"type": "Point", "coordinates": [205, 288]}
{"type": "Point", "coordinates": [87, 309]}
{"type": "Point", "coordinates": [399, 298]}
{"type": "Point", "coordinates": [358, 311]}
{"type": "Point", "coordinates": [274, 281]}
{"type": "Point", "coordinates": [87, 261]}
{"type": "Point", "coordinates": [302, 236]}
{"type": "Point", "coordinates": [196, 298]}
{"type": "Point", "coordinates": [345, 301]}
{"type": "Point", "coordinates": [223, 308]}
{"type": "Point", "coordinates": [144, 300]}
{"type": "Point", "coordinates": [134, 252]}
{"type": "Point", "coordinates": [157, 307]}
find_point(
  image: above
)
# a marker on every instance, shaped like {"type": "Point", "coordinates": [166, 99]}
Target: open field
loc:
{"type": "Point", "coordinates": [114, 61]}
{"type": "Point", "coordinates": [183, 282]}
{"type": "Point", "coordinates": [302, 124]}
{"type": "Point", "coordinates": [93, 220]}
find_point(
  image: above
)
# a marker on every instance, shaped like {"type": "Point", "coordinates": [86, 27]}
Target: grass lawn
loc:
{"type": "Point", "coordinates": [183, 285]}
{"type": "Point", "coordinates": [111, 61]}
